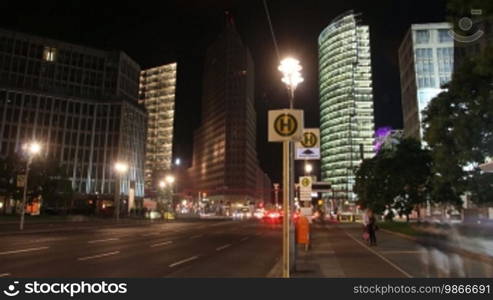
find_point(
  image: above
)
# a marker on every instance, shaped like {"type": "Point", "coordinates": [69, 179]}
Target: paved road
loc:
{"type": "Point", "coordinates": [178, 249]}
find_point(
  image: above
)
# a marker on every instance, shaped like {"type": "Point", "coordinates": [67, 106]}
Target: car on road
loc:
{"type": "Point", "coordinates": [242, 213]}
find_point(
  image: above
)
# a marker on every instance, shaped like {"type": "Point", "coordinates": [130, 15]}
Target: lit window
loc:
{"type": "Point", "coordinates": [444, 36]}
{"type": "Point", "coordinates": [422, 36]}
{"type": "Point", "coordinates": [49, 54]}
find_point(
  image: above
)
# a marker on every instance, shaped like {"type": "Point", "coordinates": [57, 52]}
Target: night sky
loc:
{"type": "Point", "coordinates": [159, 32]}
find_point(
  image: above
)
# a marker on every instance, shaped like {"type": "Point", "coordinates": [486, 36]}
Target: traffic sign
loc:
{"type": "Point", "coordinates": [285, 125]}
{"type": "Point", "coordinates": [308, 148]}
{"type": "Point", "coordinates": [305, 188]}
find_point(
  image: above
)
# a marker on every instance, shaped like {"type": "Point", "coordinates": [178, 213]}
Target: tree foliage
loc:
{"type": "Point", "coordinates": [396, 179]}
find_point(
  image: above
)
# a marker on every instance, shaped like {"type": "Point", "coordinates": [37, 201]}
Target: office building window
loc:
{"type": "Point", "coordinates": [422, 36]}
{"type": "Point", "coordinates": [424, 68]}
{"type": "Point", "coordinates": [445, 57]}
{"type": "Point", "coordinates": [49, 54]}
{"type": "Point", "coordinates": [444, 36]}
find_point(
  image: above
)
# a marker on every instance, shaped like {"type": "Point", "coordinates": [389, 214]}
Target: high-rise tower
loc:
{"type": "Point", "coordinates": [346, 101]}
{"type": "Point", "coordinates": [225, 161]}
{"type": "Point", "coordinates": [157, 93]}
{"type": "Point", "coordinates": [426, 61]}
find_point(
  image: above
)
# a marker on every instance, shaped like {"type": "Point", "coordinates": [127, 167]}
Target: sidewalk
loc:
{"type": "Point", "coordinates": [336, 254]}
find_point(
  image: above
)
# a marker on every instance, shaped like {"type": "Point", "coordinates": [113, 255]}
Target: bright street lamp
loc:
{"type": "Point", "coordinates": [290, 69]}
{"type": "Point", "coordinates": [121, 168]}
{"type": "Point", "coordinates": [32, 149]}
{"type": "Point", "coordinates": [170, 179]}
{"type": "Point", "coordinates": [308, 168]}
{"type": "Point", "coordinates": [162, 184]}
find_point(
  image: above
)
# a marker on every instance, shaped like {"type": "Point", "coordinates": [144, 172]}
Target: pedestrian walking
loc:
{"type": "Point", "coordinates": [372, 228]}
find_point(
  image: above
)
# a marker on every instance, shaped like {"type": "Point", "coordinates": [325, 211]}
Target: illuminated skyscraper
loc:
{"type": "Point", "coordinates": [426, 60]}
{"type": "Point", "coordinates": [157, 93]}
{"type": "Point", "coordinates": [346, 101]}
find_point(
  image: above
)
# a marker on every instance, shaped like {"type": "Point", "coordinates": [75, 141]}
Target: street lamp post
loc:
{"type": "Point", "coordinates": [170, 179]}
{"type": "Point", "coordinates": [290, 68]}
{"type": "Point", "coordinates": [121, 168]}
{"type": "Point", "coordinates": [32, 149]}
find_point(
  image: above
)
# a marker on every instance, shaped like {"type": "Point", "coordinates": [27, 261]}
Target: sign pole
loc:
{"type": "Point", "coordinates": [285, 206]}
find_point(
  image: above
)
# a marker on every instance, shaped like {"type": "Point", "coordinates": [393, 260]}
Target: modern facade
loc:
{"type": "Point", "coordinates": [80, 103]}
{"type": "Point", "coordinates": [157, 93]}
{"type": "Point", "coordinates": [225, 161]}
{"type": "Point", "coordinates": [426, 60]}
{"type": "Point", "coordinates": [346, 101]}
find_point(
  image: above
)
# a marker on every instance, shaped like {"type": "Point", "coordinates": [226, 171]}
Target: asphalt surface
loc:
{"type": "Point", "coordinates": [140, 249]}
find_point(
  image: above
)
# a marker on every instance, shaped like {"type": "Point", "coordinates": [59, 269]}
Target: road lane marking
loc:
{"type": "Point", "coordinates": [245, 238]}
{"type": "Point", "coordinates": [98, 255]}
{"type": "Point", "coordinates": [402, 252]}
{"type": "Point", "coordinates": [223, 247]}
{"type": "Point", "coordinates": [23, 250]}
{"type": "Point", "coordinates": [161, 244]}
{"type": "Point", "coordinates": [4, 274]}
{"type": "Point", "coordinates": [102, 241]}
{"type": "Point", "coordinates": [183, 261]}
{"type": "Point", "coordinates": [196, 236]}
{"type": "Point", "coordinates": [151, 234]}
{"type": "Point", "coordinates": [379, 255]}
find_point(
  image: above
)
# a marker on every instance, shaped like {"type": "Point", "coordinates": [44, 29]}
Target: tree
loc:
{"type": "Point", "coordinates": [413, 171]}
{"type": "Point", "coordinates": [10, 167]}
{"type": "Point", "coordinates": [48, 178]}
{"type": "Point", "coordinates": [395, 178]}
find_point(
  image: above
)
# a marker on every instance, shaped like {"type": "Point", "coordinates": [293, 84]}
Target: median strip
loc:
{"type": "Point", "coordinates": [223, 247]}
{"type": "Point", "coordinates": [23, 250]}
{"type": "Point", "coordinates": [161, 244]}
{"type": "Point", "coordinates": [98, 255]}
{"type": "Point", "coordinates": [102, 241]}
{"type": "Point", "coordinates": [183, 261]}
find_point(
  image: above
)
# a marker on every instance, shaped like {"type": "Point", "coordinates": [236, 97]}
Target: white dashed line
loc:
{"type": "Point", "coordinates": [151, 234]}
{"type": "Point", "coordinates": [23, 250]}
{"type": "Point", "coordinates": [183, 261]}
{"type": "Point", "coordinates": [98, 255]}
{"type": "Point", "coordinates": [4, 274]}
{"type": "Point", "coordinates": [102, 241]}
{"type": "Point", "coordinates": [223, 247]}
{"type": "Point", "coordinates": [196, 236]}
{"type": "Point", "coordinates": [245, 238]}
{"type": "Point", "coordinates": [161, 244]}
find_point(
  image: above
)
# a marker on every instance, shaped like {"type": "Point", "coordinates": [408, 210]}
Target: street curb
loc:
{"type": "Point", "coordinates": [482, 257]}
{"type": "Point", "coordinates": [276, 271]}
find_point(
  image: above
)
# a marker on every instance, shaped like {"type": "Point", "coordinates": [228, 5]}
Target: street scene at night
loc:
{"type": "Point", "coordinates": [248, 139]}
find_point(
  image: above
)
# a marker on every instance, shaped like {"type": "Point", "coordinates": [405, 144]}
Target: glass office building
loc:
{"type": "Point", "coordinates": [426, 61]}
{"type": "Point", "coordinates": [80, 103]}
{"type": "Point", "coordinates": [346, 102]}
